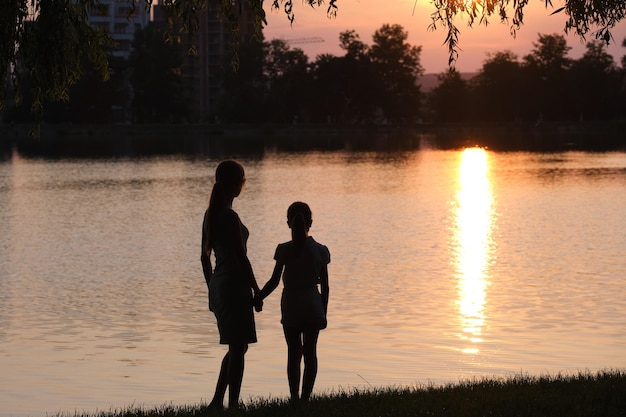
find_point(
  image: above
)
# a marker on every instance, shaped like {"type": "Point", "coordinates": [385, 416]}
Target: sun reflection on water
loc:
{"type": "Point", "coordinates": [472, 242]}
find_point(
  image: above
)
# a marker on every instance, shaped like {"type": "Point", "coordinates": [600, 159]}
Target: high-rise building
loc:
{"type": "Point", "coordinates": [204, 70]}
{"type": "Point", "coordinates": [120, 19]}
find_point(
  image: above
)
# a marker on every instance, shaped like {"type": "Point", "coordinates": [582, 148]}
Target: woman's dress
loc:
{"type": "Point", "coordinates": [230, 294]}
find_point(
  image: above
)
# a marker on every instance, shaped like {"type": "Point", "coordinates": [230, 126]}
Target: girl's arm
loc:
{"type": "Point", "coordinates": [273, 282]}
{"type": "Point", "coordinates": [324, 288]}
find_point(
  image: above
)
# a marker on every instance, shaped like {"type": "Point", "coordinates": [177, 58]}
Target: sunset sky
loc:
{"type": "Point", "coordinates": [366, 16]}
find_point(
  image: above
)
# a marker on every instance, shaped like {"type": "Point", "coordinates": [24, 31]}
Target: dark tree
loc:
{"type": "Point", "coordinates": [397, 64]}
{"type": "Point", "coordinates": [242, 96]}
{"type": "Point", "coordinates": [328, 95]}
{"type": "Point", "coordinates": [359, 80]}
{"type": "Point", "coordinates": [93, 100]}
{"type": "Point", "coordinates": [583, 16]}
{"type": "Point", "coordinates": [498, 89]}
{"type": "Point", "coordinates": [54, 45]}
{"type": "Point", "coordinates": [157, 84]}
{"type": "Point", "coordinates": [449, 101]}
{"type": "Point", "coordinates": [547, 66]}
{"type": "Point", "coordinates": [288, 80]}
{"type": "Point", "coordinates": [597, 84]}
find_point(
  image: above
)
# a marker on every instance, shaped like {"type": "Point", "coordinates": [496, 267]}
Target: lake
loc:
{"type": "Point", "coordinates": [446, 266]}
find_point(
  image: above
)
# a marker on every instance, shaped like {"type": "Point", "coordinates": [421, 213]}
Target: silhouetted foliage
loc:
{"type": "Point", "coordinates": [376, 84]}
{"type": "Point", "coordinates": [397, 66]}
{"type": "Point", "coordinates": [90, 100]}
{"type": "Point", "coordinates": [583, 17]}
{"type": "Point", "coordinates": [546, 67]}
{"type": "Point", "coordinates": [156, 78]}
{"type": "Point", "coordinates": [50, 39]}
{"type": "Point", "coordinates": [498, 89]}
{"type": "Point", "coordinates": [449, 101]}
{"type": "Point", "coordinates": [288, 81]}
{"type": "Point", "coordinates": [93, 100]}
{"type": "Point", "coordinates": [242, 95]}
{"type": "Point", "coordinates": [329, 97]}
{"type": "Point", "coordinates": [359, 80]}
{"type": "Point", "coordinates": [546, 86]}
{"type": "Point", "coordinates": [369, 84]}
{"type": "Point", "coordinates": [597, 82]}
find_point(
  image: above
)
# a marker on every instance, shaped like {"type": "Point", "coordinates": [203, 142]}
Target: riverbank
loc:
{"type": "Point", "coordinates": [142, 140]}
{"type": "Point", "coordinates": [581, 395]}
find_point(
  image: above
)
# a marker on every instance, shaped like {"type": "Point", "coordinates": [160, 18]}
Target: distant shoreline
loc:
{"type": "Point", "coordinates": [586, 135]}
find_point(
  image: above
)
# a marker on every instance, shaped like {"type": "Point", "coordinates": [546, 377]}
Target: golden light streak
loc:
{"type": "Point", "coordinates": [472, 243]}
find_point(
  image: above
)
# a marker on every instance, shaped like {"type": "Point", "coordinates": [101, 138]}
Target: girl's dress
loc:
{"type": "Point", "coordinates": [230, 295]}
{"type": "Point", "coordinates": [301, 302]}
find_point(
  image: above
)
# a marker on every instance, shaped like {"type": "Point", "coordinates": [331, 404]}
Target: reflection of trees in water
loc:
{"type": "Point", "coordinates": [252, 141]}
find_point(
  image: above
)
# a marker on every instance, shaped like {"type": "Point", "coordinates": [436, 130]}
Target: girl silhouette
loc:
{"type": "Point", "coordinates": [305, 264]}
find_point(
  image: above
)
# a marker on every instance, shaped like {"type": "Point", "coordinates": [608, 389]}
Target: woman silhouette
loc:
{"type": "Point", "coordinates": [232, 284]}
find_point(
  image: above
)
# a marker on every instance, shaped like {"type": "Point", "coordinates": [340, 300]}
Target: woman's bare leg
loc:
{"type": "Point", "coordinates": [235, 373]}
{"type": "Point", "coordinates": [222, 384]}
{"type": "Point", "coordinates": [231, 376]}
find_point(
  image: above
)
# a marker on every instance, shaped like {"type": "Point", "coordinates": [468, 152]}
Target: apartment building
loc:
{"type": "Point", "coordinates": [120, 19]}
{"type": "Point", "coordinates": [204, 71]}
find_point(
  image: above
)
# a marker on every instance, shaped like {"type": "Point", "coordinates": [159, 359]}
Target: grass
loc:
{"type": "Point", "coordinates": [602, 394]}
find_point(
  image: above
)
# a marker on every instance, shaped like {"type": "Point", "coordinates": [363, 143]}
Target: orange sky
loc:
{"type": "Point", "coordinates": [366, 16]}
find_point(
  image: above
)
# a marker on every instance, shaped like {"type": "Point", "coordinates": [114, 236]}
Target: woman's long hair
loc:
{"type": "Point", "coordinates": [300, 218]}
{"type": "Point", "coordinates": [228, 175]}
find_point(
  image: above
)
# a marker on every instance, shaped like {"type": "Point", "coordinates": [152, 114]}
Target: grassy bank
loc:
{"type": "Point", "coordinates": [591, 395]}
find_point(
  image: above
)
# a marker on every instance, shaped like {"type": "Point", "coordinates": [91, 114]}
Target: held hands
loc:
{"type": "Point", "coordinates": [257, 301]}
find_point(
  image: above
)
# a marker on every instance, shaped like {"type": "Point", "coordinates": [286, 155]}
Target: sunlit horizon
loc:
{"type": "Point", "coordinates": [415, 17]}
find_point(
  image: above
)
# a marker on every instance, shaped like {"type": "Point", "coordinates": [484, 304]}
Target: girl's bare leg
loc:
{"type": "Point", "coordinates": [294, 358]}
{"type": "Point", "coordinates": [310, 362]}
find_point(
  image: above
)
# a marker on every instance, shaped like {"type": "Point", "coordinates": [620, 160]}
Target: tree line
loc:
{"type": "Point", "coordinates": [54, 38]}
{"type": "Point", "coordinates": [377, 83]}
{"type": "Point", "coordinates": [543, 86]}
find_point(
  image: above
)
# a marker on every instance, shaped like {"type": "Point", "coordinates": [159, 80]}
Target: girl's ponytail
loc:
{"type": "Point", "coordinates": [299, 219]}
{"type": "Point", "coordinates": [298, 233]}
